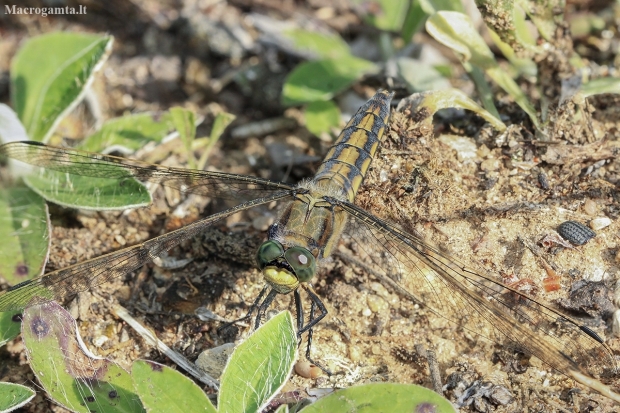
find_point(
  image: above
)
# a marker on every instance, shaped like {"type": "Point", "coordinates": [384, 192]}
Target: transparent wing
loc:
{"type": "Point", "coordinates": [81, 277]}
{"type": "Point", "coordinates": [77, 162]}
{"type": "Point", "coordinates": [484, 306]}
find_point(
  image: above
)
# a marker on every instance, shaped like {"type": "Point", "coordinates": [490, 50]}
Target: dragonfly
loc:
{"type": "Point", "coordinates": [314, 215]}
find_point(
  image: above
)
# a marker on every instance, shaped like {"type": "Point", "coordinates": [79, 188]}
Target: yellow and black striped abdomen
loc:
{"type": "Point", "coordinates": [347, 162]}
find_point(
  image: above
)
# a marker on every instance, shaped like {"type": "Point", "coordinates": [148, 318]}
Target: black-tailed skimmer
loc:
{"type": "Point", "coordinates": [315, 214]}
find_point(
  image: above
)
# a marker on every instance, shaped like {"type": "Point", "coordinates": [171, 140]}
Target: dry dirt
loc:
{"type": "Point", "coordinates": [485, 209]}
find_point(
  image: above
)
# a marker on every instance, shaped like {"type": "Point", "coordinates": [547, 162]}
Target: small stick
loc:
{"type": "Point", "coordinates": [433, 366]}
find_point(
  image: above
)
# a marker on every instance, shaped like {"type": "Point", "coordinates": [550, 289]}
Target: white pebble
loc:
{"type": "Point", "coordinates": [600, 223]}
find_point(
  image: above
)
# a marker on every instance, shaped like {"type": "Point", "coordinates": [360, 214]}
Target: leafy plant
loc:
{"type": "Point", "coordinates": [13, 396]}
{"type": "Point", "coordinates": [41, 98]}
{"type": "Point", "coordinates": [255, 372]}
{"type": "Point", "coordinates": [82, 382]}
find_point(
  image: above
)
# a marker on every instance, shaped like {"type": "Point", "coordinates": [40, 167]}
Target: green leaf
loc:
{"type": "Point", "coordinates": [24, 230]}
{"type": "Point", "coordinates": [387, 15]}
{"type": "Point", "coordinates": [382, 397]}
{"type": "Point", "coordinates": [163, 389]}
{"type": "Point", "coordinates": [414, 21]}
{"type": "Point", "coordinates": [50, 73]}
{"type": "Point", "coordinates": [69, 373]}
{"type": "Point", "coordinates": [13, 396]}
{"type": "Point", "coordinates": [420, 10]}
{"type": "Point", "coordinates": [282, 409]}
{"type": "Point", "coordinates": [185, 123]}
{"type": "Point", "coordinates": [322, 79]}
{"type": "Point", "coordinates": [321, 45]}
{"type": "Point", "coordinates": [432, 101]}
{"type": "Point", "coordinates": [222, 120]}
{"type": "Point", "coordinates": [10, 324]}
{"type": "Point", "coordinates": [600, 86]}
{"type": "Point", "coordinates": [129, 133]}
{"type": "Point", "coordinates": [503, 79]}
{"type": "Point", "coordinates": [85, 192]}
{"type": "Point", "coordinates": [259, 367]}
{"type": "Point", "coordinates": [543, 15]}
{"type": "Point", "coordinates": [322, 116]}
{"type": "Point", "coordinates": [456, 31]}
{"type": "Point", "coordinates": [420, 76]}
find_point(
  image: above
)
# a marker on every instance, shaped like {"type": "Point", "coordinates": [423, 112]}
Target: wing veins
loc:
{"type": "Point", "coordinates": [78, 162]}
{"type": "Point", "coordinates": [472, 293]}
{"type": "Point", "coordinates": [68, 281]}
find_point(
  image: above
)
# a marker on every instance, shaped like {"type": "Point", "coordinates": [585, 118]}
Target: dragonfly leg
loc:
{"type": "Point", "coordinates": [316, 303]}
{"type": "Point", "coordinates": [262, 307]}
{"type": "Point", "coordinates": [300, 313]}
{"type": "Point", "coordinates": [256, 304]}
{"type": "Point", "coordinates": [313, 306]}
{"type": "Point", "coordinates": [312, 321]}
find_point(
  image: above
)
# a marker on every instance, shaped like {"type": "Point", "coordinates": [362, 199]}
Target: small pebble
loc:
{"type": "Point", "coordinates": [99, 340]}
{"type": "Point", "coordinates": [213, 360]}
{"type": "Point", "coordinates": [589, 207]}
{"type": "Point", "coordinates": [615, 323]}
{"type": "Point", "coordinates": [600, 223]}
{"type": "Point", "coordinates": [575, 232]}
{"type": "Point", "coordinates": [308, 370]}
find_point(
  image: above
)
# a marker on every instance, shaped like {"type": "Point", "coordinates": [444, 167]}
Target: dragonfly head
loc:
{"type": "Point", "coordinates": [284, 269]}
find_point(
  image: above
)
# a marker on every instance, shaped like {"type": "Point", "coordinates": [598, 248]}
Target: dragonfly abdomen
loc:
{"type": "Point", "coordinates": [348, 160]}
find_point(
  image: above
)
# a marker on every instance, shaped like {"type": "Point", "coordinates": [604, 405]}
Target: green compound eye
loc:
{"type": "Point", "coordinates": [267, 252]}
{"type": "Point", "coordinates": [302, 262]}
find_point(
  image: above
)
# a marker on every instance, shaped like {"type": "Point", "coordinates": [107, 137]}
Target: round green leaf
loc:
{"type": "Point", "coordinates": [160, 387]}
{"type": "Point", "coordinates": [129, 133]}
{"type": "Point", "coordinates": [322, 116]}
{"type": "Point", "coordinates": [69, 373]}
{"type": "Point", "coordinates": [13, 396]}
{"type": "Point", "coordinates": [382, 397]}
{"type": "Point", "coordinates": [50, 73]}
{"type": "Point", "coordinates": [456, 31]}
{"type": "Point", "coordinates": [85, 192]}
{"type": "Point", "coordinates": [386, 15]}
{"type": "Point", "coordinates": [317, 44]}
{"type": "Point", "coordinates": [10, 324]}
{"type": "Point", "coordinates": [24, 229]}
{"type": "Point", "coordinates": [259, 367]}
{"type": "Point", "coordinates": [322, 79]}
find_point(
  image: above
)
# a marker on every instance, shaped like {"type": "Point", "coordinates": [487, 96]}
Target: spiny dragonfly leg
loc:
{"type": "Point", "coordinates": [256, 304]}
{"type": "Point", "coordinates": [312, 321]}
{"type": "Point", "coordinates": [264, 306]}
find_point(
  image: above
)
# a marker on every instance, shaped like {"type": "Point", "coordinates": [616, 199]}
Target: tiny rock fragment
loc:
{"type": "Point", "coordinates": [600, 223]}
{"type": "Point", "coordinates": [308, 370]}
{"type": "Point", "coordinates": [589, 207]}
{"type": "Point", "coordinates": [575, 232]}
{"type": "Point", "coordinates": [553, 239]}
{"type": "Point", "coordinates": [615, 323]}
{"type": "Point", "coordinates": [213, 361]}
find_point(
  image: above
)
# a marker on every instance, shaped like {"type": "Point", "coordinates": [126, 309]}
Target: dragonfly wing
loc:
{"type": "Point", "coordinates": [477, 302]}
{"type": "Point", "coordinates": [73, 161]}
{"type": "Point", "coordinates": [81, 277]}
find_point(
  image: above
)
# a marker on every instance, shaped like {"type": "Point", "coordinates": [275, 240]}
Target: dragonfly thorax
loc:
{"type": "Point", "coordinates": [284, 269]}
